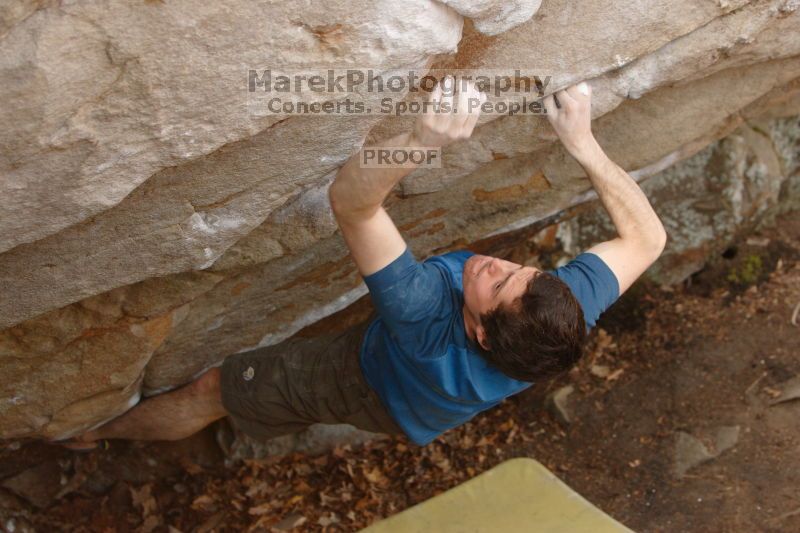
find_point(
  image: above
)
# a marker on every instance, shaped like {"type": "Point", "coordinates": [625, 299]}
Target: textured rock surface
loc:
{"type": "Point", "coordinates": [691, 451]}
{"type": "Point", "coordinates": [706, 200]}
{"type": "Point", "coordinates": [152, 225]}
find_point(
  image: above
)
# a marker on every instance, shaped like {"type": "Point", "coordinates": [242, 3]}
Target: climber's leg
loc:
{"type": "Point", "coordinates": [284, 388]}
{"type": "Point", "coordinates": [170, 416]}
{"type": "Point", "coordinates": [266, 392]}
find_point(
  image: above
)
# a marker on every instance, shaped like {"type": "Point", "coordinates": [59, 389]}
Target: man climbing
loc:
{"type": "Point", "coordinates": [452, 336]}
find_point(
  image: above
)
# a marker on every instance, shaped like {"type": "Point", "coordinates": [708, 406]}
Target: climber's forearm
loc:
{"type": "Point", "coordinates": [640, 231]}
{"type": "Point", "coordinates": [641, 235]}
{"type": "Point", "coordinates": [633, 216]}
{"type": "Point", "coordinates": [359, 192]}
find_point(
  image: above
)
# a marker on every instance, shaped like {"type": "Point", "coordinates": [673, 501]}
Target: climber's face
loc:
{"type": "Point", "coordinates": [490, 282]}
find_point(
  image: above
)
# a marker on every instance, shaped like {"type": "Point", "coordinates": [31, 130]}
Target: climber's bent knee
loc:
{"type": "Point", "coordinates": [281, 389]}
{"type": "Point", "coordinates": [208, 384]}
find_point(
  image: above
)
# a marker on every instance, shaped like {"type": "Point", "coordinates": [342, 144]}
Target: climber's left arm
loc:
{"type": "Point", "coordinates": [641, 236]}
{"type": "Point", "coordinates": [357, 193]}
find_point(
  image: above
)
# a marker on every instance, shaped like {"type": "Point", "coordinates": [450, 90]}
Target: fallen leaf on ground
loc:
{"type": "Point", "coordinates": [615, 374]}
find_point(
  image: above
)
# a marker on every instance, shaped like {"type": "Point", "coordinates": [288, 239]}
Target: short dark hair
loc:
{"type": "Point", "coordinates": [540, 335]}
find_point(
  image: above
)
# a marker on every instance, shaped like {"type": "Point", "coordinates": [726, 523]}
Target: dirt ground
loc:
{"type": "Point", "coordinates": [673, 376]}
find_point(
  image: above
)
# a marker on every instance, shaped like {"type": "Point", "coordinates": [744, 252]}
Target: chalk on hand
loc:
{"type": "Point", "coordinates": [583, 88]}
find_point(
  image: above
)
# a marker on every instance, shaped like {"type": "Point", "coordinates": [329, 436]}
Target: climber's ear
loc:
{"type": "Point", "coordinates": [480, 335]}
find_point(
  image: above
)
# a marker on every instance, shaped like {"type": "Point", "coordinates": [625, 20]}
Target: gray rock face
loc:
{"type": "Point", "coordinates": [691, 451]}
{"type": "Point", "coordinates": [152, 224]}
{"type": "Point", "coordinates": [727, 187]}
{"type": "Point", "coordinates": [558, 403]}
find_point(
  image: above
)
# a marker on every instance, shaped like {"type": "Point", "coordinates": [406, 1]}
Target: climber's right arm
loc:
{"type": "Point", "coordinates": [357, 193]}
{"type": "Point", "coordinates": [356, 197]}
{"type": "Point", "coordinates": [641, 235]}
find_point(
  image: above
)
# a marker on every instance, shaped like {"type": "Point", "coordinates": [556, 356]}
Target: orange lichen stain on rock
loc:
{"type": "Point", "coordinates": [430, 230]}
{"type": "Point", "coordinates": [458, 244]}
{"type": "Point", "coordinates": [547, 237]}
{"type": "Point", "coordinates": [498, 155]}
{"type": "Point", "coordinates": [436, 213]}
{"type": "Point", "coordinates": [318, 275]}
{"type": "Point", "coordinates": [355, 313]}
{"type": "Point", "coordinates": [154, 330]}
{"type": "Point", "coordinates": [96, 332]}
{"type": "Point", "coordinates": [157, 329]}
{"type": "Point", "coordinates": [471, 49]}
{"type": "Point", "coordinates": [239, 287]}
{"type": "Point", "coordinates": [345, 272]}
{"type": "Point", "coordinates": [328, 35]}
{"type": "Point", "coordinates": [537, 182]}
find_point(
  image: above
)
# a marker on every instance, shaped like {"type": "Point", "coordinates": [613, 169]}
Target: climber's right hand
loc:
{"type": "Point", "coordinates": [449, 115]}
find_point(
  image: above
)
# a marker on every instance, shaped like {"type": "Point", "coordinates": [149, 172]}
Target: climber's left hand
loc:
{"type": "Point", "coordinates": [570, 113]}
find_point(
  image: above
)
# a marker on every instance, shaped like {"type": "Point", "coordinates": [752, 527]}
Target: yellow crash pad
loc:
{"type": "Point", "coordinates": [517, 495]}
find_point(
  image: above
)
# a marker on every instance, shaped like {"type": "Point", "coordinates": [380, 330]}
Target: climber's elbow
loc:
{"type": "Point", "coordinates": [347, 206]}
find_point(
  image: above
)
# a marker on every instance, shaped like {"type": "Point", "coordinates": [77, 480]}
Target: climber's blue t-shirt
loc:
{"type": "Point", "coordinates": [416, 354]}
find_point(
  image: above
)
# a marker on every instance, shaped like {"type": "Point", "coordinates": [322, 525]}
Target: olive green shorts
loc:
{"type": "Point", "coordinates": [284, 388]}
